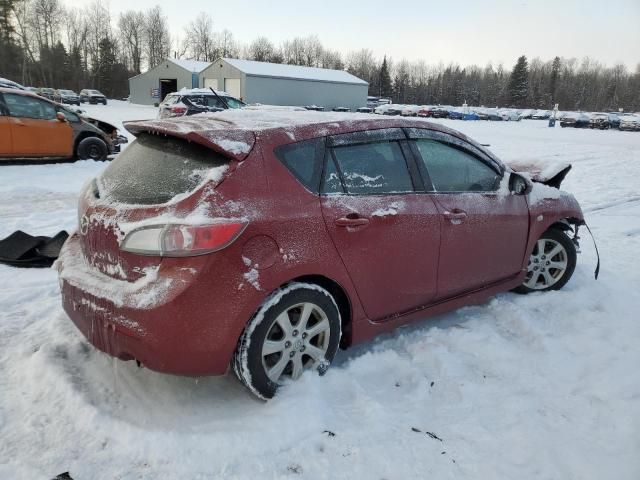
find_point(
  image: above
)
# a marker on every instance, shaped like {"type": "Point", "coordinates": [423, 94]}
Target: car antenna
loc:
{"type": "Point", "coordinates": [219, 97]}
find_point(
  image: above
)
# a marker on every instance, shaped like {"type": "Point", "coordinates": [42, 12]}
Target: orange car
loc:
{"type": "Point", "coordinates": [34, 128]}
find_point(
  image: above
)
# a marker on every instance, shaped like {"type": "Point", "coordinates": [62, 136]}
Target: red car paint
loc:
{"type": "Point", "coordinates": [438, 252]}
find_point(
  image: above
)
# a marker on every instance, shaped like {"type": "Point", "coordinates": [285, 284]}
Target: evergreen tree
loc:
{"type": "Point", "coordinates": [553, 79]}
{"type": "Point", "coordinates": [519, 83]}
{"type": "Point", "coordinates": [385, 80]}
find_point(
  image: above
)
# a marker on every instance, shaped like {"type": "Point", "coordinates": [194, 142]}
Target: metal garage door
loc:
{"type": "Point", "coordinates": [232, 87]}
{"type": "Point", "coordinates": [211, 83]}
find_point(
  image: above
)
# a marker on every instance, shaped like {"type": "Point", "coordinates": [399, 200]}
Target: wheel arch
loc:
{"type": "Point", "coordinates": [81, 136]}
{"type": "Point", "coordinates": [341, 297]}
{"type": "Point", "coordinates": [566, 224]}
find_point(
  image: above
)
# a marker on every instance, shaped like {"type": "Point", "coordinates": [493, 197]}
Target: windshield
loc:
{"type": "Point", "coordinates": [153, 170]}
{"type": "Point", "coordinates": [234, 102]}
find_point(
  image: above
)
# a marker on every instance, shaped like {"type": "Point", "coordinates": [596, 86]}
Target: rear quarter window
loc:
{"type": "Point", "coordinates": [154, 170]}
{"type": "Point", "coordinates": [302, 159]}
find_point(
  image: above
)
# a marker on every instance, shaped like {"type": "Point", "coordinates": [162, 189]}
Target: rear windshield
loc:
{"type": "Point", "coordinates": [154, 169]}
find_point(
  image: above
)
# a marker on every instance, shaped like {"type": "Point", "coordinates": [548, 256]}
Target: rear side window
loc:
{"type": "Point", "coordinates": [373, 168]}
{"type": "Point", "coordinates": [301, 159]}
{"type": "Point", "coordinates": [154, 169]}
{"type": "Point", "coordinates": [454, 170]}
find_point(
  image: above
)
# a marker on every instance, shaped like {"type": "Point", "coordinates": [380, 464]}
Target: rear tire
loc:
{"type": "Point", "coordinates": [296, 328]}
{"type": "Point", "coordinates": [551, 263]}
{"type": "Point", "coordinates": [92, 148]}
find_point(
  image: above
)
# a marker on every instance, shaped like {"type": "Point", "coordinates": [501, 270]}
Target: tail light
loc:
{"type": "Point", "coordinates": [175, 240]}
{"type": "Point", "coordinates": [178, 110]}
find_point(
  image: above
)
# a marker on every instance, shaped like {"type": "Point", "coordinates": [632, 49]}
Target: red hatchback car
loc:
{"type": "Point", "coordinates": [266, 240]}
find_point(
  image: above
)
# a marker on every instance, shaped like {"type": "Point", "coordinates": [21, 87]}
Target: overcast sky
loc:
{"type": "Point", "coordinates": [462, 31]}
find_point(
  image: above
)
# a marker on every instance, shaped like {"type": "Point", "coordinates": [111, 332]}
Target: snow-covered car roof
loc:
{"type": "Point", "coordinates": [232, 132]}
{"type": "Point", "coordinates": [5, 82]}
{"type": "Point", "coordinates": [199, 91]}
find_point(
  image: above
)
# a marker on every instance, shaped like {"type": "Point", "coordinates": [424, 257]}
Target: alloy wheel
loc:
{"type": "Point", "coordinates": [547, 264]}
{"type": "Point", "coordinates": [297, 339]}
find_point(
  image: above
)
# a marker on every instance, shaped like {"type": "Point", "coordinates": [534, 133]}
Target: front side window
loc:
{"type": "Point", "coordinates": [454, 170]}
{"type": "Point", "coordinates": [373, 168]}
{"type": "Point", "coordinates": [22, 106]}
{"type": "Point", "coordinates": [72, 117]}
{"type": "Point", "coordinates": [331, 182]}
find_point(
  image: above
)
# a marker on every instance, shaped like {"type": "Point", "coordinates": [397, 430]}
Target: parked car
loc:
{"type": "Point", "coordinates": [425, 111]}
{"type": "Point", "coordinates": [374, 102]}
{"type": "Point", "coordinates": [190, 258]}
{"type": "Point", "coordinates": [575, 120]}
{"type": "Point", "coordinates": [6, 83]}
{"type": "Point", "coordinates": [440, 112]}
{"type": "Point", "coordinates": [599, 121]}
{"type": "Point", "coordinates": [314, 108]}
{"type": "Point", "coordinates": [341, 109]}
{"type": "Point", "coordinates": [188, 102]}
{"type": "Point", "coordinates": [455, 114]}
{"type": "Point", "coordinates": [67, 96]}
{"type": "Point", "coordinates": [509, 115]}
{"type": "Point", "coordinates": [394, 109]}
{"type": "Point", "coordinates": [493, 114]}
{"type": "Point", "coordinates": [34, 128]}
{"type": "Point", "coordinates": [541, 115]}
{"type": "Point", "coordinates": [365, 110]}
{"type": "Point", "coordinates": [46, 92]}
{"type": "Point", "coordinates": [93, 97]}
{"type": "Point", "coordinates": [630, 122]}
{"type": "Point", "coordinates": [410, 110]}
{"type": "Point", "coordinates": [381, 109]}
{"type": "Point", "coordinates": [527, 113]}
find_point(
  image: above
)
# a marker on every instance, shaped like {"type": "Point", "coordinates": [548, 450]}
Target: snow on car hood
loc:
{"type": "Point", "coordinates": [548, 172]}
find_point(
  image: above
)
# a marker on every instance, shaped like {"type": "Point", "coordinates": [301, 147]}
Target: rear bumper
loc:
{"type": "Point", "coordinates": [165, 323]}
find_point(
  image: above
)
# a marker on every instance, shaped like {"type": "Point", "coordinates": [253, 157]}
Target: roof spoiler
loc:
{"type": "Point", "coordinates": [226, 140]}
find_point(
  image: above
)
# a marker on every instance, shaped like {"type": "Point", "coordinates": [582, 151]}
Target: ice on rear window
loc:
{"type": "Point", "coordinates": [157, 170]}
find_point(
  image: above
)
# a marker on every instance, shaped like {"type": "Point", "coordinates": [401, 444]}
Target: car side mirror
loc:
{"type": "Point", "coordinates": [61, 116]}
{"type": "Point", "coordinates": [519, 185]}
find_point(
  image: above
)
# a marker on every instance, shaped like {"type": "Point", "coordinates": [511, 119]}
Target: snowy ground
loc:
{"type": "Point", "coordinates": [545, 386]}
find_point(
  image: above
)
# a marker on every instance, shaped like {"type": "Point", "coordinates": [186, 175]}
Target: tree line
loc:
{"type": "Point", "coordinates": [44, 43]}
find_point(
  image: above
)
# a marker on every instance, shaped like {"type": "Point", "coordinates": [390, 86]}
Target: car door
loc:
{"type": "Point", "coordinates": [35, 130]}
{"type": "Point", "coordinates": [6, 147]}
{"type": "Point", "coordinates": [484, 228]}
{"type": "Point", "coordinates": [386, 233]}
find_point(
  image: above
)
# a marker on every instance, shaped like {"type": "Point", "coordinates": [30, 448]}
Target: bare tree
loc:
{"type": "Point", "coordinates": [157, 39]}
{"type": "Point", "coordinates": [199, 38]}
{"type": "Point", "coordinates": [226, 45]}
{"type": "Point", "coordinates": [261, 50]}
{"type": "Point", "coordinates": [132, 36]}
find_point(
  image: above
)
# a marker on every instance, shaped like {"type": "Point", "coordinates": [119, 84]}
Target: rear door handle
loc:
{"type": "Point", "coordinates": [456, 217]}
{"type": "Point", "coordinates": [351, 222]}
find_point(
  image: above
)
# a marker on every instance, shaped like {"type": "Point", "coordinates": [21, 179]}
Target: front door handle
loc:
{"type": "Point", "coordinates": [351, 221]}
{"type": "Point", "coordinates": [456, 216]}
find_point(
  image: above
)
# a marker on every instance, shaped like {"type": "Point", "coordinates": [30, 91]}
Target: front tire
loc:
{"type": "Point", "coordinates": [297, 328]}
{"type": "Point", "coordinates": [551, 263]}
{"type": "Point", "coordinates": [92, 148]}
